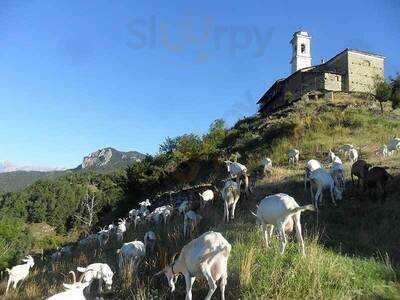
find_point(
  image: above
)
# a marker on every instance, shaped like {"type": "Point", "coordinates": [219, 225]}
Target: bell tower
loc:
{"type": "Point", "coordinates": [301, 50]}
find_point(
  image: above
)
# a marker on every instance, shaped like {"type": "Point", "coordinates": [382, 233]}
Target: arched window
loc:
{"type": "Point", "coordinates": [303, 48]}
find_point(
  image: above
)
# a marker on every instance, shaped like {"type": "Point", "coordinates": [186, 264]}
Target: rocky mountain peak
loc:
{"type": "Point", "coordinates": [109, 158]}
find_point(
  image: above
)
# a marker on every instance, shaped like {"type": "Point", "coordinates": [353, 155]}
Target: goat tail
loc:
{"type": "Point", "coordinates": [293, 211]}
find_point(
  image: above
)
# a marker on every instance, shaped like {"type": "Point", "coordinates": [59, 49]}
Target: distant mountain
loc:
{"type": "Point", "coordinates": [8, 166]}
{"type": "Point", "coordinates": [13, 178]}
{"type": "Point", "coordinates": [108, 159]}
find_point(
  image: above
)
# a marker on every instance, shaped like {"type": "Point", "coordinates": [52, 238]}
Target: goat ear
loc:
{"type": "Point", "coordinates": [68, 286]}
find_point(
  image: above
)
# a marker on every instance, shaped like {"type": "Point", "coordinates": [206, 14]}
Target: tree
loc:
{"type": "Point", "coordinates": [169, 145]}
{"type": "Point", "coordinates": [215, 136]}
{"type": "Point", "coordinates": [395, 91]}
{"type": "Point", "coordinates": [183, 145]}
{"type": "Point", "coordinates": [382, 91]}
{"type": "Point", "coordinates": [89, 206]}
{"type": "Point", "coordinates": [14, 240]}
{"type": "Point", "coordinates": [289, 97]}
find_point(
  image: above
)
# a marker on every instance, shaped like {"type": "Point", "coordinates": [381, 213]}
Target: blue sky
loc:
{"type": "Point", "coordinates": [76, 76]}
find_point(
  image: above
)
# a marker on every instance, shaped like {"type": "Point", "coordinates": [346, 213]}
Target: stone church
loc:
{"type": "Point", "coordinates": [349, 71]}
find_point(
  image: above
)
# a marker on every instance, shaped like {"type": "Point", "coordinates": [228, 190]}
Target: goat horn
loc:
{"type": "Point", "coordinates": [158, 273]}
{"type": "Point", "coordinates": [82, 275]}
{"type": "Point", "coordinates": [73, 275]}
{"type": "Point", "coordinates": [173, 257]}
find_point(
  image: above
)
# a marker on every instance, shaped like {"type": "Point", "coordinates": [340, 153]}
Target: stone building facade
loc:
{"type": "Point", "coordinates": [349, 71]}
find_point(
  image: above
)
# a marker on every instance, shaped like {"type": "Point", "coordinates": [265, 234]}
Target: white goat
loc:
{"type": "Point", "coordinates": [72, 291]}
{"type": "Point", "coordinates": [394, 144]}
{"type": "Point", "coordinates": [97, 271]}
{"type": "Point", "coordinates": [383, 150]}
{"type": "Point", "coordinates": [131, 253]}
{"type": "Point", "coordinates": [334, 158]}
{"type": "Point", "coordinates": [190, 222]}
{"type": "Point", "coordinates": [183, 207]}
{"type": "Point", "coordinates": [206, 197]}
{"type": "Point", "coordinates": [88, 240]}
{"type": "Point", "coordinates": [133, 213]}
{"type": "Point", "coordinates": [66, 250]}
{"type": "Point", "coordinates": [345, 148]}
{"type": "Point", "coordinates": [143, 210]}
{"type": "Point", "coordinates": [311, 165]}
{"type": "Point", "coordinates": [205, 256]}
{"type": "Point", "coordinates": [20, 272]}
{"type": "Point", "coordinates": [150, 240]}
{"type": "Point", "coordinates": [121, 229]}
{"type": "Point", "coordinates": [337, 173]}
{"type": "Point", "coordinates": [231, 195]}
{"type": "Point", "coordinates": [321, 180]}
{"type": "Point", "coordinates": [112, 228]}
{"type": "Point", "coordinates": [102, 237]}
{"type": "Point", "coordinates": [162, 213]}
{"type": "Point", "coordinates": [353, 155]}
{"type": "Point", "coordinates": [293, 155]}
{"type": "Point", "coordinates": [266, 164]}
{"type": "Point", "coordinates": [235, 169]}
{"type": "Point", "coordinates": [278, 210]}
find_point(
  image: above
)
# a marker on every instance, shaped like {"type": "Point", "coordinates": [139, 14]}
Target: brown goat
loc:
{"type": "Point", "coordinates": [360, 170]}
{"type": "Point", "coordinates": [376, 179]}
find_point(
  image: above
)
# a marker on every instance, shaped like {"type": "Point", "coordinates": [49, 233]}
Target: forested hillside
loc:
{"type": "Point", "coordinates": [14, 181]}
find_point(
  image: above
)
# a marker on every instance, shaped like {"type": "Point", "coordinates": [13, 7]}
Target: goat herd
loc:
{"type": "Point", "coordinates": [208, 254]}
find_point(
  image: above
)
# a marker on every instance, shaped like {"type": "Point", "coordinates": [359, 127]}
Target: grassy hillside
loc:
{"type": "Point", "coordinates": [352, 250]}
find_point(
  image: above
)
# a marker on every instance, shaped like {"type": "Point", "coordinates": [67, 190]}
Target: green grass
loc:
{"type": "Point", "coordinates": [254, 271]}
{"type": "Point", "coordinates": [322, 274]}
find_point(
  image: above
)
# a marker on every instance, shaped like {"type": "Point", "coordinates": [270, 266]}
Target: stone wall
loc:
{"type": "Point", "coordinates": [332, 82]}
{"type": "Point", "coordinates": [312, 81]}
{"type": "Point", "coordinates": [339, 64]}
{"type": "Point", "coordinates": [363, 71]}
{"type": "Point", "coordinates": [293, 84]}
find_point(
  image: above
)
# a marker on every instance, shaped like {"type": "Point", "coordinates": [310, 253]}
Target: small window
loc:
{"type": "Point", "coordinates": [337, 78]}
{"type": "Point", "coordinates": [367, 63]}
{"type": "Point", "coordinates": [303, 48]}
